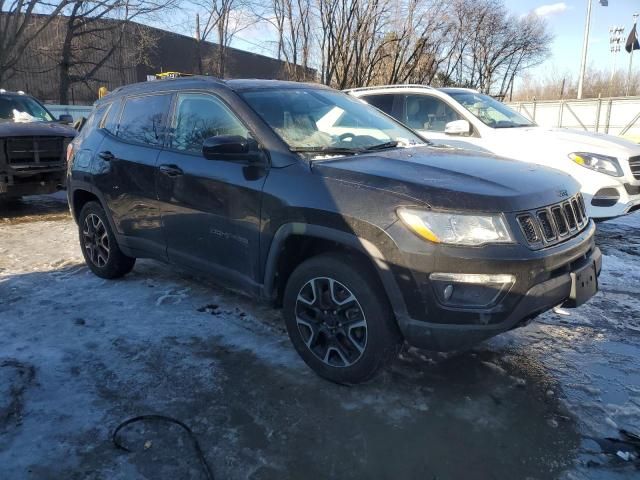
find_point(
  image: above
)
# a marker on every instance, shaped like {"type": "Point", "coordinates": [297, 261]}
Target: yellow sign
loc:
{"type": "Point", "coordinates": [164, 75]}
{"type": "Point", "coordinates": [102, 91]}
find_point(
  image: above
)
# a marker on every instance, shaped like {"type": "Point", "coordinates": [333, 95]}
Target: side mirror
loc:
{"type": "Point", "coordinates": [229, 147]}
{"type": "Point", "coordinates": [65, 119]}
{"type": "Point", "coordinates": [458, 127]}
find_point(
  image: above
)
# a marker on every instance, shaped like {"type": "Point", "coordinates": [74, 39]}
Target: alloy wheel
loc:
{"type": "Point", "coordinates": [331, 322]}
{"type": "Point", "coordinates": [96, 240]}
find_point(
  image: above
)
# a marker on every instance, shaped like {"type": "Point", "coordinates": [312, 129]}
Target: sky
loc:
{"type": "Point", "coordinates": [567, 20]}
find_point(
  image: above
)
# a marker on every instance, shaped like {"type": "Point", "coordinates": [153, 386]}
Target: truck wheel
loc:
{"type": "Point", "coordinates": [98, 244]}
{"type": "Point", "coordinates": [339, 319]}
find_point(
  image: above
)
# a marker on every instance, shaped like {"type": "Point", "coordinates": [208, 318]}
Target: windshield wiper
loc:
{"type": "Point", "coordinates": [381, 146]}
{"type": "Point", "coordinates": [327, 150]}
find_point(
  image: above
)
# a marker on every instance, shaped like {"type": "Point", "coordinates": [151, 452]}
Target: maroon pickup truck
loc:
{"type": "Point", "coordinates": [33, 146]}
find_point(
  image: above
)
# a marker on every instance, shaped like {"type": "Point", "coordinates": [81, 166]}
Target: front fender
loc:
{"type": "Point", "coordinates": [346, 239]}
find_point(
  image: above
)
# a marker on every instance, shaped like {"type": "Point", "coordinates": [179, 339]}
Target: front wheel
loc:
{"type": "Point", "coordinates": [339, 319]}
{"type": "Point", "coordinates": [99, 246]}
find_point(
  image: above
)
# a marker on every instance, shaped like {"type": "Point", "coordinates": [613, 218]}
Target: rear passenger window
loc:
{"type": "Point", "coordinates": [200, 116]}
{"type": "Point", "coordinates": [424, 112]}
{"type": "Point", "coordinates": [382, 102]}
{"type": "Point", "coordinates": [110, 120]}
{"type": "Point", "coordinates": [143, 118]}
{"type": "Point", "coordinates": [93, 121]}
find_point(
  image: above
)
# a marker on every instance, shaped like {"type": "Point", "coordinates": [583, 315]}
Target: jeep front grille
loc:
{"type": "Point", "coordinates": [553, 224]}
{"type": "Point", "coordinates": [28, 152]}
{"type": "Point", "coordinates": [634, 163]}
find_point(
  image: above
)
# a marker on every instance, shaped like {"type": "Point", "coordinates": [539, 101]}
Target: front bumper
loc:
{"type": "Point", "coordinates": [34, 182]}
{"type": "Point", "coordinates": [543, 280]}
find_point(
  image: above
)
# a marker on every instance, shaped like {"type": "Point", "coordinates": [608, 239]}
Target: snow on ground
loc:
{"type": "Point", "coordinates": [79, 354]}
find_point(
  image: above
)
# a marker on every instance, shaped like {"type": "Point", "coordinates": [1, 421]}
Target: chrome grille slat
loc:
{"type": "Point", "coordinates": [553, 224]}
{"type": "Point", "coordinates": [634, 163]}
{"type": "Point", "coordinates": [544, 217]}
{"type": "Point", "coordinates": [528, 227]}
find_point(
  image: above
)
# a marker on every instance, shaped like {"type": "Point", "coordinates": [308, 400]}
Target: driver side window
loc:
{"type": "Point", "coordinates": [423, 112]}
{"type": "Point", "coordinates": [200, 116]}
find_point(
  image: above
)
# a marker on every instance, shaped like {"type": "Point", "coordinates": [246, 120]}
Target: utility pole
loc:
{"type": "Point", "coordinates": [585, 45]}
{"type": "Point", "coordinates": [635, 22]}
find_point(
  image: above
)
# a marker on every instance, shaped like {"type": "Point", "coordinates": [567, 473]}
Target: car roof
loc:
{"type": "Point", "coordinates": [203, 82]}
{"type": "Point", "coordinates": [409, 86]}
{"type": "Point", "coordinates": [7, 93]}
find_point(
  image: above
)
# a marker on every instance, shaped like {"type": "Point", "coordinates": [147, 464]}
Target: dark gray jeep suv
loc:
{"type": "Point", "coordinates": [307, 197]}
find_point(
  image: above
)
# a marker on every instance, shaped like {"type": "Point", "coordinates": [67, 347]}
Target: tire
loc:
{"type": "Point", "coordinates": [99, 246]}
{"type": "Point", "coordinates": [339, 319]}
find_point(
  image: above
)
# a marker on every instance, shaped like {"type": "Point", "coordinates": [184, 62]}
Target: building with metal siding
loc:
{"type": "Point", "coordinates": [39, 71]}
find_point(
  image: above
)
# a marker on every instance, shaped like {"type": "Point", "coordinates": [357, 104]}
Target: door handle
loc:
{"type": "Point", "coordinates": [107, 156]}
{"type": "Point", "coordinates": [171, 170]}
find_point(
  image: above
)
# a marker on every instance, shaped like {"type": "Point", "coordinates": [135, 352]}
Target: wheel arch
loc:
{"type": "Point", "coordinates": [316, 239]}
{"type": "Point", "coordinates": [79, 198]}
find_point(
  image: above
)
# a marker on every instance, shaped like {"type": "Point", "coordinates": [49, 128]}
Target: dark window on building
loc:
{"type": "Point", "coordinates": [424, 112]}
{"type": "Point", "coordinates": [142, 119]}
{"type": "Point", "coordinates": [382, 102]}
{"type": "Point", "coordinates": [200, 116]}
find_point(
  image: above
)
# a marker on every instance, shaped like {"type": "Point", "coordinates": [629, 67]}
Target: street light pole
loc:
{"type": "Point", "coordinates": [585, 47]}
{"type": "Point", "coordinates": [635, 22]}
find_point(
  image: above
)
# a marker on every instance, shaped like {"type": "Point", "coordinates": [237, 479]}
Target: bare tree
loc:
{"type": "Point", "coordinates": [18, 31]}
{"type": "Point", "coordinates": [220, 21]}
{"type": "Point", "coordinates": [94, 31]}
{"type": "Point", "coordinates": [292, 20]}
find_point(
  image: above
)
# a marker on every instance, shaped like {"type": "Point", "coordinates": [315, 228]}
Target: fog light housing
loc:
{"type": "Point", "coordinates": [470, 290]}
{"type": "Point", "coordinates": [605, 197]}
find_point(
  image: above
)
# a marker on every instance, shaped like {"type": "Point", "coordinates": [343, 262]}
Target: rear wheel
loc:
{"type": "Point", "coordinates": [99, 246]}
{"type": "Point", "coordinates": [339, 319]}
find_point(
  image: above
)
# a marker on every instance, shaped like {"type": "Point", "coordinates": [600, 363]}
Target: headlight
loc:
{"type": "Point", "coordinates": [456, 228]}
{"type": "Point", "coordinates": [599, 163]}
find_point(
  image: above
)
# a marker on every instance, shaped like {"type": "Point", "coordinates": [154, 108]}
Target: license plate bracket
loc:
{"type": "Point", "coordinates": [584, 285]}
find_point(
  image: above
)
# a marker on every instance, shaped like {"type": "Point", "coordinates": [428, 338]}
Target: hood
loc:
{"type": "Point", "coordinates": [573, 140]}
{"type": "Point", "coordinates": [453, 179]}
{"type": "Point", "coordinates": [41, 129]}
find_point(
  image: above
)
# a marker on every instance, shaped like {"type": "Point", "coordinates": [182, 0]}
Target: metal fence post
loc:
{"type": "Point", "coordinates": [606, 127]}
{"type": "Point", "coordinates": [534, 110]}
{"type": "Point", "coordinates": [598, 113]}
{"type": "Point", "coordinates": [560, 112]}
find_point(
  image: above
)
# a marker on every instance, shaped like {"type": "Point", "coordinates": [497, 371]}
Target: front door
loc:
{"type": "Point", "coordinates": [210, 208]}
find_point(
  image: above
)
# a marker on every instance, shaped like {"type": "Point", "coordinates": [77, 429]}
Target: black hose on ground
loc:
{"type": "Point", "coordinates": [140, 418]}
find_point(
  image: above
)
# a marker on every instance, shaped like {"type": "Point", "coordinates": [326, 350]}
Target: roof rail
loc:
{"type": "Point", "coordinates": [402, 85]}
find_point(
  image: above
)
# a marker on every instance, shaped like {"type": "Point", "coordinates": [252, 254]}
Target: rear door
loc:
{"type": "Point", "coordinates": [210, 208]}
{"type": "Point", "coordinates": [127, 166]}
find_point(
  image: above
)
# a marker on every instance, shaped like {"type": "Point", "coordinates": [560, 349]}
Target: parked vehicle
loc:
{"type": "Point", "coordinates": [309, 198]}
{"type": "Point", "coordinates": [607, 167]}
{"type": "Point", "coordinates": [32, 146]}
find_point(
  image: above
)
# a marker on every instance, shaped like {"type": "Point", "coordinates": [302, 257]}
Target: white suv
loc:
{"type": "Point", "coordinates": [607, 167]}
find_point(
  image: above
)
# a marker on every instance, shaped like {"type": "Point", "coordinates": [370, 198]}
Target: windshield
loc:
{"type": "Point", "coordinates": [327, 122]}
{"type": "Point", "coordinates": [18, 108]}
{"type": "Point", "coordinates": [490, 111]}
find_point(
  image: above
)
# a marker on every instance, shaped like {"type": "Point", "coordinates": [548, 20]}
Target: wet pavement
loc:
{"type": "Point", "coordinates": [79, 354]}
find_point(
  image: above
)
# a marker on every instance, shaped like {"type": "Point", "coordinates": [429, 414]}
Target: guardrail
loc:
{"type": "Point", "coordinates": [76, 111]}
{"type": "Point", "coordinates": [615, 116]}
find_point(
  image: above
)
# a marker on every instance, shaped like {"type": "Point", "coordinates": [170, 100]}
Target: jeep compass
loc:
{"type": "Point", "coordinates": [362, 232]}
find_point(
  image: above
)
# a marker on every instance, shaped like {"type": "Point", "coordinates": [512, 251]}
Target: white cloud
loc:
{"type": "Point", "coordinates": [550, 9]}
